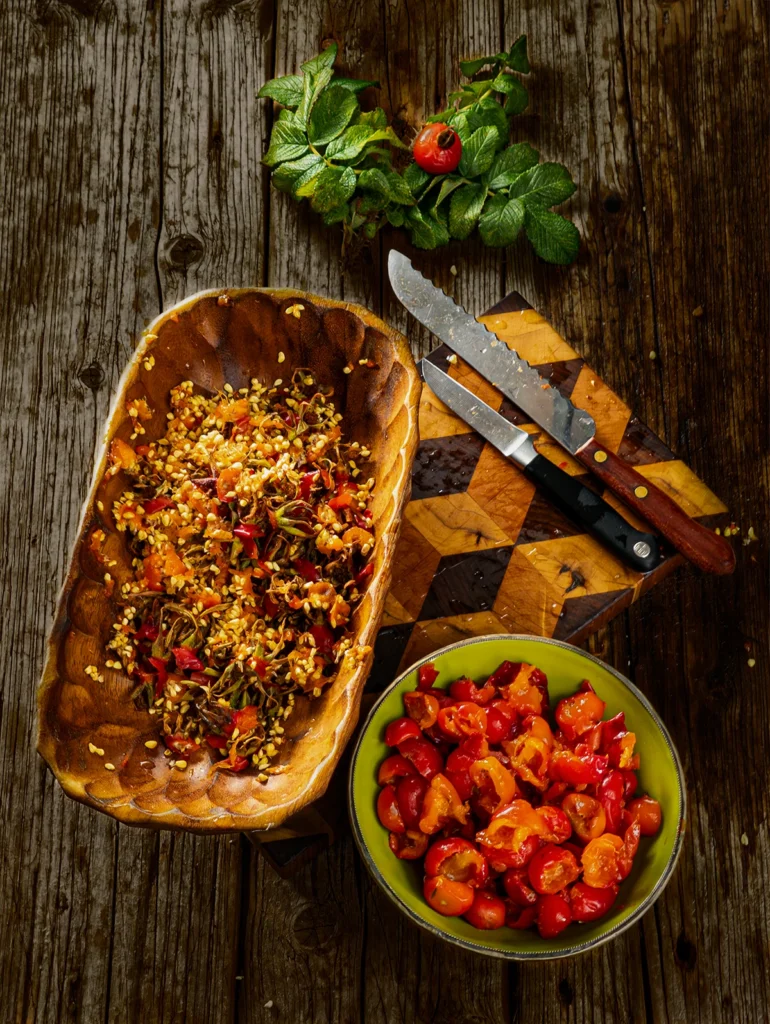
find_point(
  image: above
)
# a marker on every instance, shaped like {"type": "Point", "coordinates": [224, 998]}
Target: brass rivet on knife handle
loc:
{"type": "Point", "coordinates": [701, 546]}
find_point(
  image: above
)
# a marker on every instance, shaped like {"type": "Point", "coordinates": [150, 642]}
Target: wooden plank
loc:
{"type": "Point", "coordinates": [178, 901]}
{"type": "Point", "coordinates": [696, 80]}
{"type": "Point", "coordinates": [407, 975]}
{"type": "Point", "coordinates": [312, 924]}
{"type": "Point", "coordinates": [303, 253]}
{"type": "Point", "coordinates": [652, 224]}
{"type": "Point", "coordinates": [577, 116]}
{"type": "Point", "coordinates": [78, 84]}
{"type": "Point", "coordinates": [214, 232]}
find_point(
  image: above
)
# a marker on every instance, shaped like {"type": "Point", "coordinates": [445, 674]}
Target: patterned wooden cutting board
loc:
{"type": "Point", "coordinates": [481, 550]}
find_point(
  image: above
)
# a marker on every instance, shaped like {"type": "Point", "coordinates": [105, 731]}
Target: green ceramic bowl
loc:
{"type": "Point", "coordinates": [660, 775]}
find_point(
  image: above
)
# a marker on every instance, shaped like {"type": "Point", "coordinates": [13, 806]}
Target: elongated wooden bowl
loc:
{"type": "Point", "coordinates": [215, 338]}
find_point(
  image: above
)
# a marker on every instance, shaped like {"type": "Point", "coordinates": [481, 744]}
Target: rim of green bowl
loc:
{"type": "Point", "coordinates": [502, 954]}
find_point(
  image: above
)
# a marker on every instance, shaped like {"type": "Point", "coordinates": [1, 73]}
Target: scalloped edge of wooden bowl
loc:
{"type": "Point", "coordinates": [136, 792]}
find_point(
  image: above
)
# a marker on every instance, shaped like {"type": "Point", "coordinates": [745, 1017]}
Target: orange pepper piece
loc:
{"type": "Point", "coordinates": [441, 805]}
{"type": "Point", "coordinates": [529, 759]}
{"type": "Point", "coordinates": [512, 826]}
{"type": "Point", "coordinates": [495, 783]}
{"type": "Point", "coordinates": [601, 857]}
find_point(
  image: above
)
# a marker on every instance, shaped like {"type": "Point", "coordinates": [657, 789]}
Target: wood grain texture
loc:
{"type": "Point", "coordinates": [131, 124]}
{"type": "Point", "coordinates": [79, 213]}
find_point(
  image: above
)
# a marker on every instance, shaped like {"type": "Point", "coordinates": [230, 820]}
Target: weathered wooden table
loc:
{"type": "Point", "coordinates": [130, 176]}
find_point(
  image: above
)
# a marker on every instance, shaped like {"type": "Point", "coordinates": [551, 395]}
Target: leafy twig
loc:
{"type": "Point", "coordinates": [324, 148]}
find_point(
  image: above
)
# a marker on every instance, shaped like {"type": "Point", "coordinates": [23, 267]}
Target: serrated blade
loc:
{"type": "Point", "coordinates": [515, 443]}
{"type": "Point", "coordinates": [501, 366]}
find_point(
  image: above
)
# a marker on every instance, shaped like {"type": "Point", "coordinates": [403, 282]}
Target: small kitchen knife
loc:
{"type": "Point", "coordinates": [571, 427]}
{"type": "Point", "coordinates": [577, 501]}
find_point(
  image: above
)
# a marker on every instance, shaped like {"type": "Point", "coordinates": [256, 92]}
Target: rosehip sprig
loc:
{"type": "Point", "coordinates": [463, 174]}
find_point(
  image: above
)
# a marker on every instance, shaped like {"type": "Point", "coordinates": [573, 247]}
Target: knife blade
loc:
{"type": "Point", "coordinates": [484, 351]}
{"type": "Point", "coordinates": [571, 427]}
{"type": "Point", "coordinates": [580, 503]}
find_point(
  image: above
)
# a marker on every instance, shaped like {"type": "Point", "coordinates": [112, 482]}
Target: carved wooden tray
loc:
{"type": "Point", "coordinates": [215, 338]}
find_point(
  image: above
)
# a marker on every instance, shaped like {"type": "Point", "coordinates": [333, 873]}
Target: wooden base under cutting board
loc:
{"type": "Point", "coordinates": [482, 552]}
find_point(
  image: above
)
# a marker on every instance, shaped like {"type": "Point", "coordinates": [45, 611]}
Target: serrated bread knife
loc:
{"type": "Point", "coordinates": [577, 501]}
{"type": "Point", "coordinates": [571, 427]}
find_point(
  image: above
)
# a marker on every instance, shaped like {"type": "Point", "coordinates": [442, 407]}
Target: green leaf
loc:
{"type": "Point", "coordinates": [377, 118]}
{"type": "Point", "coordinates": [288, 141]}
{"type": "Point", "coordinates": [505, 82]}
{"type": "Point", "coordinates": [489, 112]}
{"type": "Point", "coordinates": [398, 189]}
{"type": "Point", "coordinates": [554, 238]}
{"type": "Point", "coordinates": [416, 178]}
{"type": "Point", "coordinates": [322, 62]}
{"type": "Point", "coordinates": [501, 220]}
{"type": "Point", "coordinates": [331, 114]}
{"type": "Point", "coordinates": [305, 186]}
{"type": "Point", "coordinates": [544, 185]}
{"type": "Point", "coordinates": [371, 202]}
{"type": "Point", "coordinates": [517, 59]}
{"type": "Point", "coordinates": [478, 152]}
{"type": "Point", "coordinates": [388, 135]}
{"type": "Point", "coordinates": [370, 153]}
{"type": "Point", "coordinates": [312, 86]}
{"type": "Point", "coordinates": [336, 214]}
{"type": "Point", "coordinates": [426, 229]}
{"type": "Point", "coordinates": [443, 116]}
{"type": "Point", "coordinates": [477, 89]}
{"type": "Point", "coordinates": [447, 187]}
{"type": "Point", "coordinates": [284, 114]}
{"type": "Point", "coordinates": [348, 145]}
{"type": "Point", "coordinates": [355, 85]}
{"type": "Point", "coordinates": [460, 124]}
{"type": "Point", "coordinates": [396, 216]}
{"type": "Point", "coordinates": [286, 176]}
{"type": "Point", "coordinates": [510, 164]}
{"type": "Point", "coordinates": [286, 90]}
{"type": "Point", "coordinates": [334, 186]}
{"type": "Point", "coordinates": [471, 67]}
{"type": "Point", "coordinates": [374, 180]}
{"type": "Point", "coordinates": [464, 209]}
{"type": "Point", "coordinates": [517, 100]}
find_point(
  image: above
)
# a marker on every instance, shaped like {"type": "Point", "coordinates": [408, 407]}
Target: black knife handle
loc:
{"type": "Point", "coordinates": [584, 506]}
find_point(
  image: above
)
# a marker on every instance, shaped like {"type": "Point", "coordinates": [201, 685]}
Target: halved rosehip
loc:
{"type": "Point", "coordinates": [553, 915]}
{"type": "Point", "coordinates": [447, 897]}
{"type": "Point", "coordinates": [487, 911]}
{"type": "Point", "coordinates": [388, 811]}
{"type": "Point", "coordinates": [647, 813]}
{"type": "Point", "coordinates": [409, 845]}
{"type": "Point", "coordinates": [460, 720]}
{"type": "Point", "coordinates": [410, 793]}
{"type": "Point", "coordinates": [401, 729]}
{"type": "Point", "coordinates": [586, 814]}
{"type": "Point", "coordinates": [458, 859]}
{"type": "Point", "coordinates": [422, 708]}
{"type": "Point", "coordinates": [589, 904]}
{"type": "Point", "coordinates": [551, 869]}
{"type": "Point", "coordinates": [423, 755]}
{"type": "Point", "coordinates": [393, 768]}
{"type": "Point", "coordinates": [516, 884]}
{"type": "Point", "coordinates": [467, 690]}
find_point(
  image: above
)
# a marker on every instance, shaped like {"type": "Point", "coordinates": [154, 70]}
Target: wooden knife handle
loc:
{"type": "Point", "coordinates": [697, 543]}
